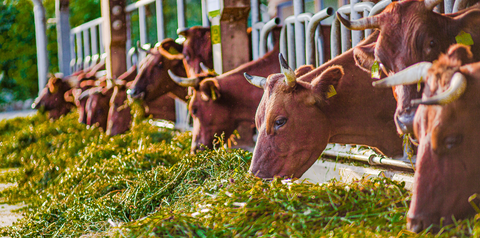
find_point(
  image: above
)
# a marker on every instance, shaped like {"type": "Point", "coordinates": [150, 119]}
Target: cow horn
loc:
{"type": "Point", "coordinates": [360, 24]}
{"type": "Point", "coordinates": [139, 47]}
{"type": "Point", "coordinates": [430, 4]}
{"type": "Point", "coordinates": [290, 78]}
{"type": "Point", "coordinates": [411, 75]}
{"type": "Point", "coordinates": [256, 80]}
{"type": "Point", "coordinates": [458, 84]}
{"type": "Point", "coordinates": [184, 82]}
{"type": "Point", "coordinates": [205, 69]}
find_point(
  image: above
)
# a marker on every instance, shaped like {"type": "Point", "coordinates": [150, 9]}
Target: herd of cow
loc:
{"type": "Point", "coordinates": [297, 112]}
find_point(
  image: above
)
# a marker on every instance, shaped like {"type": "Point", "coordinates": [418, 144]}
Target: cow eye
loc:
{"type": "Point", "coordinates": [452, 141]}
{"type": "Point", "coordinates": [432, 43]}
{"type": "Point", "coordinates": [194, 111]}
{"type": "Point", "coordinates": [280, 122]}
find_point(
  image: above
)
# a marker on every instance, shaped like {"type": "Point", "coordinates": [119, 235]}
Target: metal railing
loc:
{"type": "Point", "coordinates": [85, 45]}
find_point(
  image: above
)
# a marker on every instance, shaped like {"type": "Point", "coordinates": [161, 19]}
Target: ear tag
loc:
{"type": "Point", "coordinates": [464, 38]}
{"type": "Point", "coordinates": [214, 96]}
{"type": "Point", "coordinates": [419, 85]}
{"type": "Point", "coordinates": [375, 70]}
{"type": "Point", "coordinates": [173, 51]}
{"type": "Point", "coordinates": [331, 91]}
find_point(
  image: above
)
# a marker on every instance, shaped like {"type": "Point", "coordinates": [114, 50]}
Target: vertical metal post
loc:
{"type": "Point", "coordinates": [182, 23]}
{"type": "Point", "coordinates": [448, 6]}
{"type": "Point", "coordinates": [357, 36]}
{"type": "Point", "coordinates": [255, 12]}
{"type": "Point", "coordinates": [63, 35]}
{"type": "Point", "coordinates": [94, 40]}
{"type": "Point", "coordinates": [114, 36]}
{"type": "Point", "coordinates": [299, 8]}
{"type": "Point", "coordinates": [160, 20]}
{"type": "Point", "coordinates": [346, 36]}
{"type": "Point", "coordinates": [41, 43]}
{"type": "Point", "coordinates": [79, 65]}
{"type": "Point", "coordinates": [143, 29]}
{"type": "Point", "coordinates": [72, 53]}
{"type": "Point", "coordinates": [205, 21]}
{"type": "Point", "coordinates": [86, 47]}
{"type": "Point", "coordinates": [102, 46]}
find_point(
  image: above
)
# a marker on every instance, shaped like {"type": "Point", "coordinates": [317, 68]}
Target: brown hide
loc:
{"type": "Point", "coordinates": [119, 118]}
{"type": "Point", "coordinates": [153, 80]}
{"type": "Point", "coordinates": [220, 104]}
{"type": "Point", "coordinates": [295, 124]}
{"type": "Point", "coordinates": [162, 108]}
{"type": "Point", "coordinates": [448, 165]}
{"type": "Point", "coordinates": [97, 106]}
{"type": "Point", "coordinates": [410, 33]}
{"type": "Point", "coordinates": [197, 48]}
{"type": "Point", "coordinates": [52, 98]}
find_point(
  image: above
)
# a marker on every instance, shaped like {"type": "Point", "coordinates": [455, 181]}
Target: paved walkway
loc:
{"type": "Point", "coordinates": [13, 114]}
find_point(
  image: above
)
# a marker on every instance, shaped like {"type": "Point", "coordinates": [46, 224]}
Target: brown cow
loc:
{"type": "Point", "coordinates": [153, 80]}
{"type": "Point", "coordinates": [412, 32]}
{"type": "Point", "coordinates": [52, 97]}
{"type": "Point", "coordinates": [219, 104]}
{"type": "Point", "coordinates": [197, 48]}
{"type": "Point", "coordinates": [301, 112]}
{"type": "Point", "coordinates": [446, 124]}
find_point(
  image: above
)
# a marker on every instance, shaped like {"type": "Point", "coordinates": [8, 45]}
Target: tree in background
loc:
{"type": "Point", "coordinates": [18, 70]}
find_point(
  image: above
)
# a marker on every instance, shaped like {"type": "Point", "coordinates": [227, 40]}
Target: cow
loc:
{"type": "Point", "coordinates": [219, 104]}
{"type": "Point", "coordinates": [153, 80]}
{"type": "Point", "coordinates": [412, 32]}
{"type": "Point", "coordinates": [52, 97]}
{"type": "Point", "coordinates": [197, 48]}
{"type": "Point", "coordinates": [446, 124]}
{"type": "Point", "coordinates": [300, 112]}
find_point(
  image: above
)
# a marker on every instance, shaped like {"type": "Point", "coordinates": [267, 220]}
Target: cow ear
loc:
{"type": "Point", "coordinates": [304, 69]}
{"type": "Point", "coordinates": [52, 85]}
{"type": "Point", "coordinates": [364, 56]}
{"type": "Point", "coordinates": [172, 47]}
{"type": "Point", "coordinates": [325, 85]}
{"type": "Point", "coordinates": [460, 52]}
{"type": "Point", "coordinates": [209, 89]}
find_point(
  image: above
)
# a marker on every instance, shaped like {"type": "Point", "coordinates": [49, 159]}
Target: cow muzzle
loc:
{"type": "Point", "coordinates": [135, 94]}
{"type": "Point", "coordinates": [404, 120]}
{"type": "Point", "coordinates": [415, 224]}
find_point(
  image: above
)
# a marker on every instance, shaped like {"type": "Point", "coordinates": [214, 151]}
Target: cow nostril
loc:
{"type": "Point", "coordinates": [415, 225]}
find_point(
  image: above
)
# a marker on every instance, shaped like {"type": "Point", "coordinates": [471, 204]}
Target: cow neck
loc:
{"type": "Point", "coordinates": [360, 113]}
{"type": "Point", "coordinates": [179, 92]}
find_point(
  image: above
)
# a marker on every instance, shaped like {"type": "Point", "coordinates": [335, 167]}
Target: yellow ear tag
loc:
{"type": "Point", "coordinates": [214, 96]}
{"type": "Point", "coordinates": [464, 38]}
{"type": "Point", "coordinates": [173, 51]}
{"type": "Point", "coordinates": [419, 84]}
{"type": "Point", "coordinates": [331, 91]}
{"type": "Point", "coordinates": [375, 70]}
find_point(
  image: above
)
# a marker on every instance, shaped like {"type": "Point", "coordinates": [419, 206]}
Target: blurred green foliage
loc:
{"type": "Point", "coordinates": [18, 56]}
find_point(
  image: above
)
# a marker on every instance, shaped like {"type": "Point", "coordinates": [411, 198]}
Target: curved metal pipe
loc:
{"type": "Point", "coordinates": [266, 29]}
{"type": "Point", "coordinates": [311, 27]}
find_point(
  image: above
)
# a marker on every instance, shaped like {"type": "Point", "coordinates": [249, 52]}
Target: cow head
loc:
{"type": "Point", "coordinates": [410, 32]}
{"type": "Point", "coordinates": [81, 94]}
{"type": "Point", "coordinates": [52, 98]}
{"type": "Point", "coordinates": [97, 105]}
{"type": "Point", "coordinates": [280, 126]}
{"type": "Point", "coordinates": [152, 80]}
{"type": "Point", "coordinates": [446, 124]}
{"type": "Point", "coordinates": [197, 48]}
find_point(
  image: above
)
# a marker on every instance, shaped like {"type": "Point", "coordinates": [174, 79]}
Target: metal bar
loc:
{"type": "Point", "coordinates": [63, 35]}
{"type": "Point", "coordinates": [299, 8]}
{"type": "Point", "coordinates": [102, 46]}
{"type": "Point", "coordinates": [72, 53]}
{"type": "Point", "coordinates": [377, 8]}
{"type": "Point", "coordinates": [283, 41]}
{"type": "Point", "coordinates": [41, 43]}
{"type": "Point", "coordinates": [291, 45]}
{"type": "Point", "coordinates": [255, 14]}
{"type": "Point", "coordinates": [86, 47]}
{"type": "Point", "coordinates": [181, 14]}
{"type": "Point", "coordinates": [79, 65]}
{"type": "Point", "coordinates": [371, 158]}
{"type": "Point", "coordinates": [132, 7]}
{"type": "Point", "coordinates": [335, 44]}
{"type": "Point", "coordinates": [357, 36]}
{"type": "Point", "coordinates": [266, 29]}
{"type": "Point", "coordinates": [311, 28]}
{"type": "Point", "coordinates": [93, 39]}
{"type": "Point", "coordinates": [205, 21]}
{"type": "Point", "coordinates": [143, 29]}
{"type": "Point", "coordinates": [86, 25]}
{"type": "Point", "coordinates": [160, 21]}
{"type": "Point", "coordinates": [448, 6]}
{"type": "Point", "coordinates": [128, 25]}
{"type": "Point", "coordinates": [459, 5]}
